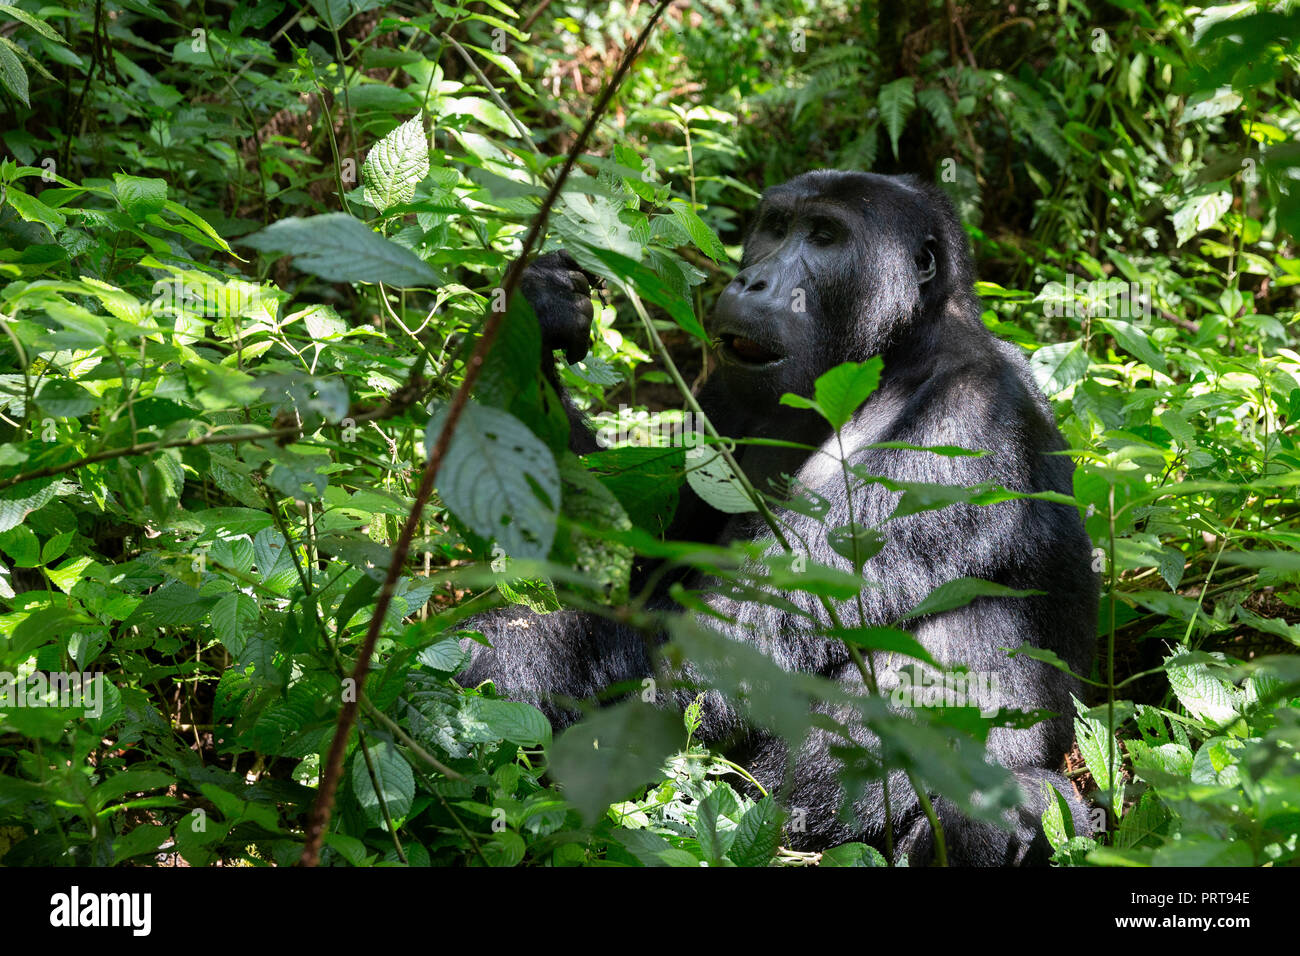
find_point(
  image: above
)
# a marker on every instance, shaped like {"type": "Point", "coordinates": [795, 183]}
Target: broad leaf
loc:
{"type": "Point", "coordinates": [395, 165]}
{"type": "Point", "coordinates": [341, 248]}
{"type": "Point", "coordinates": [500, 479]}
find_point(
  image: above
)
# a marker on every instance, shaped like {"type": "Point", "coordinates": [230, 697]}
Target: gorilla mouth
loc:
{"type": "Point", "coordinates": [745, 351]}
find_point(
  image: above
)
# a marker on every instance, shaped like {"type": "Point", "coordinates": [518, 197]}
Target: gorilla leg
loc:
{"type": "Point", "coordinates": [979, 843]}
{"type": "Point", "coordinates": [553, 660]}
{"type": "Point", "coordinates": [817, 795]}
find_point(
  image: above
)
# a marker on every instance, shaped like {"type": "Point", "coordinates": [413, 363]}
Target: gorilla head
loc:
{"type": "Point", "coordinates": [837, 266]}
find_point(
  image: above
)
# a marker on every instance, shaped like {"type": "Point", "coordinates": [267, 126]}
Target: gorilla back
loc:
{"type": "Point", "coordinates": [837, 267]}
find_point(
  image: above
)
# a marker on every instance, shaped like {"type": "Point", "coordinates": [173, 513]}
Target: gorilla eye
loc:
{"type": "Point", "coordinates": [824, 232]}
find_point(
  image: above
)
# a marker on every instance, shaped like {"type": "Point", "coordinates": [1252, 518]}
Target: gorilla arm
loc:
{"type": "Point", "coordinates": [552, 660]}
{"type": "Point", "coordinates": [560, 293]}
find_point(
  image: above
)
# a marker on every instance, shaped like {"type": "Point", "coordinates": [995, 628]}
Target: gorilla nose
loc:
{"type": "Point", "coordinates": [751, 284]}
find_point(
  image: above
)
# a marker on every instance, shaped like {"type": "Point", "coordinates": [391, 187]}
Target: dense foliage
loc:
{"type": "Point", "coordinates": [210, 450]}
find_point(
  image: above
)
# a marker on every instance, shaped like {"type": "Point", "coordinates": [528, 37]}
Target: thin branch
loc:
{"type": "Point", "coordinates": [492, 92]}
{"type": "Point", "coordinates": [324, 805]}
{"type": "Point", "coordinates": [146, 448]}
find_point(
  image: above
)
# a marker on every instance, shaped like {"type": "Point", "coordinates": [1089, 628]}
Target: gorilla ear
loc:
{"type": "Point", "coordinates": [926, 267]}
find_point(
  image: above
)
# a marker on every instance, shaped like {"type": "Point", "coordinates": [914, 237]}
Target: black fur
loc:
{"type": "Point", "coordinates": [881, 266]}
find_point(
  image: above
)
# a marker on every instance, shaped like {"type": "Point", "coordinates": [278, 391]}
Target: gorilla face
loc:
{"type": "Point", "coordinates": [835, 265]}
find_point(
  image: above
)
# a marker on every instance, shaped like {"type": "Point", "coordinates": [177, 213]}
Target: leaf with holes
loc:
{"type": "Point", "coordinates": [500, 479]}
{"type": "Point", "coordinates": [712, 479]}
{"type": "Point", "coordinates": [1059, 366]}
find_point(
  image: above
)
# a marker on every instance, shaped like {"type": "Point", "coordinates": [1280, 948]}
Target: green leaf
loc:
{"type": "Point", "coordinates": [1099, 749]}
{"type": "Point", "coordinates": [201, 224]}
{"type": "Point", "coordinates": [44, 625]}
{"type": "Point", "coordinates": [20, 500]}
{"type": "Point", "coordinates": [1167, 758]}
{"type": "Point", "coordinates": [140, 197]}
{"type": "Point", "coordinates": [506, 848]}
{"type": "Point", "coordinates": [1042, 654]}
{"type": "Point", "coordinates": [839, 393]}
{"type": "Point", "coordinates": [947, 451]}
{"type": "Point", "coordinates": [128, 781]}
{"type": "Point", "coordinates": [757, 834]}
{"type": "Point", "coordinates": [890, 639]}
{"type": "Point", "coordinates": [960, 592]}
{"type": "Point", "coordinates": [22, 545]}
{"type": "Point", "coordinates": [622, 271]}
{"type": "Point", "coordinates": [230, 522]}
{"type": "Point", "coordinates": [787, 571]}
{"type": "Point", "coordinates": [12, 74]}
{"type": "Point", "coordinates": [612, 753]}
{"type": "Point", "coordinates": [1074, 852]}
{"type": "Point", "coordinates": [395, 165]}
{"type": "Point", "coordinates": [856, 543]}
{"type": "Point", "coordinates": [1143, 821]}
{"type": "Point", "coordinates": [172, 605]}
{"type": "Point", "coordinates": [1217, 763]}
{"type": "Point", "coordinates": [853, 854]}
{"type": "Point", "coordinates": [8, 9]}
{"type": "Point", "coordinates": [721, 803]}
{"type": "Point", "coordinates": [1203, 209]}
{"type": "Point", "coordinates": [395, 782]}
{"type": "Point", "coordinates": [589, 512]}
{"type": "Point", "coordinates": [33, 210]}
{"type": "Point", "coordinates": [1206, 696]}
{"type": "Point", "coordinates": [1058, 822]}
{"type": "Point", "coordinates": [897, 100]}
{"type": "Point", "coordinates": [1059, 366]}
{"type": "Point", "coordinates": [500, 479]}
{"type": "Point", "coordinates": [652, 849]}
{"type": "Point", "coordinates": [644, 480]}
{"type": "Point", "coordinates": [1209, 103]}
{"type": "Point", "coordinates": [445, 655]}
{"type": "Point", "coordinates": [712, 479]}
{"type": "Point", "coordinates": [64, 398]}
{"type": "Point", "coordinates": [704, 238]}
{"type": "Point", "coordinates": [510, 720]}
{"type": "Point", "coordinates": [233, 618]}
{"type": "Point", "coordinates": [1270, 625]}
{"type": "Point", "coordinates": [1135, 341]}
{"type": "Point", "coordinates": [1287, 561]}
{"type": "Point", "coordinates": [485, 111]}
{"type": "Point", "coordinates": [341, 248]}
{"type": "Point", "coordinates": [768, 695]}
{"type": "Point", "coordinates": [334, 13]}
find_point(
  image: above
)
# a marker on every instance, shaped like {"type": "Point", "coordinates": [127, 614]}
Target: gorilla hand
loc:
{"type": "Point", "coordinates": [560, 293]}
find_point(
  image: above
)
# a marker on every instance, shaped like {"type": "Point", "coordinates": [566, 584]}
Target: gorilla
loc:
{"type": "Point", "coordinates": [880, 267]}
